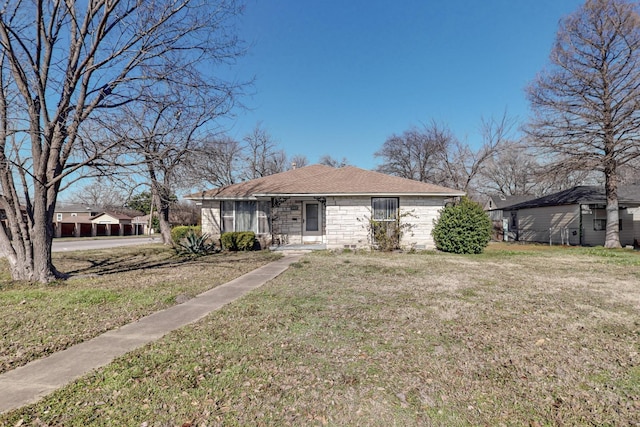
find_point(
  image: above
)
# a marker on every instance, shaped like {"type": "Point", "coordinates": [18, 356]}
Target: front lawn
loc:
{"type": "Point", "coordinates": [516, 336]}
{"type": "Point", "coordinates": [108, 288]}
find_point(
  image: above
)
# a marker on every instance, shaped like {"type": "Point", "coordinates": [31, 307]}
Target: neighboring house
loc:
{"type": "Point", "coordinates": [323, 205]}
{"type": "Point", "coordinates": [115, 224]}
{"type": "Point", "coordinates": [77, 220]}
{"type": "Point", "coordinates": [495, 203]}
{"type": "Point", "coordinates": [576, 216]}
{"type": "Point", "coordinates": [494, 206]}
{"type": "Point", "coordinates": [74, 220]}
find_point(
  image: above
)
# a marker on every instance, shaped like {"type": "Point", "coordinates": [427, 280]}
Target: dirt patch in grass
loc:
{"type": "Point", "coordinates": [369, 339]}
{"type": "Point", "coordinates": [107, 289]}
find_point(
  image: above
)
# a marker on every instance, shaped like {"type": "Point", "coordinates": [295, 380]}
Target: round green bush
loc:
{"type": "Point", "coordinates": [180, 232]}
{"type": "Point", "coordinates": [463, 228]}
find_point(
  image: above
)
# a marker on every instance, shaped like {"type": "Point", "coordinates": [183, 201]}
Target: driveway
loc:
{"type": "Point", "coordinates": [82, 244]}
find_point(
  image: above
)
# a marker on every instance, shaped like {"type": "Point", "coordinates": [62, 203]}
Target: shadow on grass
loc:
{"type": "Point", "coordinates": [122, 263]}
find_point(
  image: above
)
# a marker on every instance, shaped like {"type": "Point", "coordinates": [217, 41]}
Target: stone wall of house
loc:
{"type": "Point", "coordinates": [423, 211]}
{"type": "Point", "coordinates": [210, 210]}
{"type": "Point", "coordinates": [347, 219]}
{"type": "Point", "coordinates": [286, 222]}
{"type": "Point", "coordinates": [346, 222]}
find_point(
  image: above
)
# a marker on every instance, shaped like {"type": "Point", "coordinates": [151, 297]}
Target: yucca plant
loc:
{"type": "Point", "coordinates": [194, 245]}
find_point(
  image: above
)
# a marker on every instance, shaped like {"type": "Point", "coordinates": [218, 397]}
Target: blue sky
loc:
{"type": "Point", "coordinates": [339, 77]}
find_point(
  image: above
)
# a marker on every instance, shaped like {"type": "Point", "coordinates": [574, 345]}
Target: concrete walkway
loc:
{"type": "Point", "coordinates": [35, 380]}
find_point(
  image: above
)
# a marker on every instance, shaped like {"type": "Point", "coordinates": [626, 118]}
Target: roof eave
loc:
{"type": "Point", "coordinates": [364, 194]}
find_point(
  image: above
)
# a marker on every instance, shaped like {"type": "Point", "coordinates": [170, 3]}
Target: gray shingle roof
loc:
{"type": "Point", "coordinates": [500, 202]}
{"type": "Point", "coordinates": [584, 194]}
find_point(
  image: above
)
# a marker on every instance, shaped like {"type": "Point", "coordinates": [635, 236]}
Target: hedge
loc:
{"type": "Point", "coordinates": [238, 240]}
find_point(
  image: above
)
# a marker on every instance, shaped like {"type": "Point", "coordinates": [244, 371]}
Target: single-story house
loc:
{"type": "Point", "coordinates": [496, 202]}
{"type": "Point", "coordinates": [76, 220]}
{"type": "Point", "coordinates": [576, 216]}
{"type": "Point", "coordinates": [320, 204]}
{"type": "Point", "coordinates": [115, 224]}
{"type": "Point", "coordinates": [493, 207]}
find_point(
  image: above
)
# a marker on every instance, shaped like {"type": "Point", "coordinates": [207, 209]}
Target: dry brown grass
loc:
{"type": "Point", "coordinates": [512, 337]}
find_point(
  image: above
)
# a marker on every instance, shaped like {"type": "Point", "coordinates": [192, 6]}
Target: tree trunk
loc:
{"type": "Point", "coordinates": [162, 206]}
{"type": "Point", "coordinates": [42, 238]}
{"type": "Point", "coordinates": [612, 238]}
{"type": "Point", "coordinates": [165, 226]}
{"type": "Point", "coordinates": [28, 251]}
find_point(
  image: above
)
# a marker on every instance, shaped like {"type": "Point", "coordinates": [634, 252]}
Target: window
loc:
{"type": "Point", "coordinates": [384, 227]}
{"type": "Point", "coordinates": [384, 208]}
{"type": "Point", "coordinates": [245, 216]}
{"type": "Point", "coordinates": [599, 224]}
{"type": "Point", "coordinates": [59, 217]}
{"type": "Point", "coordinates": [228, 214]}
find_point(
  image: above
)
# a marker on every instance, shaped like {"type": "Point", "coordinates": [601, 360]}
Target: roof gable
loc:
{"type": "Point", "coordinates": [499, 201]}
{"type": "Point", "coordinates": [325, 180]}
{"type": "Point", "coordinates": [113, 215]}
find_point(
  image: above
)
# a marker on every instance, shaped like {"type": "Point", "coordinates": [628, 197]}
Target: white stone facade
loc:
{"type": "Point", "coordinates": [344, 221]}
{"type": "Point", "coordinates": [347, 218]}
{"type": "Point", "coordinates": [211, 217]}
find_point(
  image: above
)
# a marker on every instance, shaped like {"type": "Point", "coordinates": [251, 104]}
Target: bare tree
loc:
{"type": "Point", "coordinates": [629, 173]}
{"type": "Point", "coordinates": [262, 155]}
{"type": "Point", "coordinates": [518, 169]}
{"type": "Point", "coordinates": [221, 160]}
{"type": "Point", "coordinates": [416, 153]}
{"type": "Point", "coordinates": [164, 132]}
{"type": "Point", "coordinates": [68, 67]}
{"type": "Point", "coordinates": [462, 165]}
{"type": "Point", "coordinates": [511, 172]}
{"type": "Point", "coordinates": [101, 192]}
{"type": "Point", "coordinates": [585, 103]}
{"type": "Point", "coordinates": [299, 161]}
{"type": "Point", "coordinates": [328, 160]}
{"type": "Point", "coordinates": [217, 162]}
{"type": "Point", "coordinates": [433, 154]}
{"type": "Point", "coordinates": [185, 212]}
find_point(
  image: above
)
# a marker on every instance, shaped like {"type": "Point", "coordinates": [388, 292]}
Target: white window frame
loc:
{"type": "Point", "coordinates": [261, 214]}
{"type": "Point", "coordinates": [58, 217]}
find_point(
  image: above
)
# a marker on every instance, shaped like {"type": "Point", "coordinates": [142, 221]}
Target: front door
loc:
{"type": "Point", "coordinates": [311, 222]}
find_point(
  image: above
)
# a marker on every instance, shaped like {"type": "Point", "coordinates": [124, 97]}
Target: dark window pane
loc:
{"type": "Point", "coordinates": [312, 217]}
{"type": "Point", "coordinates": [384, 208]}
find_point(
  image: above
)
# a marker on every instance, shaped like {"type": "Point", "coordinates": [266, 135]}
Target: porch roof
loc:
{"type": "Point", "coordinates": [320, 181]}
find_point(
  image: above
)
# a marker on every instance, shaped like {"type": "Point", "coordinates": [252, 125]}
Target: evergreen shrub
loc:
{"type": "Point", "coordinates": [238, 240]}
{"type": "Point", "coordinates": [463, 228]}
{"type": "Point", "coordinates": [181, 231]}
